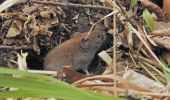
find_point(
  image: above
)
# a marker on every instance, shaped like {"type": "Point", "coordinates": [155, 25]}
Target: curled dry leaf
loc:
{"type": "Point", "coordinates": [28, 10]}
{"type": "Point", "coordinates": [161, 34]}
{"type": "Point", "coordinates": [105, 57]}
{"type": "Point", "coordinates": [162, 41]}
{"type": "Point", "coordinates": [30, 25]}
{"type": "Point", "coordinates": [161, 25]}
{"type": "Point", "coordinates": [33, 28]}
{"type": "Point", "coordinates": [71, 75]}
{"type": "Point", "coordinates": [15, 29]}
{"type": "Point", "coordinates": [49, 16]}
{"type": "Point", "coordinates": [143, 81]}
{"type": "Point", "coordinates": [30, 22]}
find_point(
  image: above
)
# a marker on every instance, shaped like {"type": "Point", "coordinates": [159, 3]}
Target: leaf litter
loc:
{"type": "Point", "coordinates": [42, 26]}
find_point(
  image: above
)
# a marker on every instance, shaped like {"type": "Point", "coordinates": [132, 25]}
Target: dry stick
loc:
{"type": "Point", "coordinates": [127, 85]}
{"type": "Point", "coordinates": [150, 73]}
{"type": "Point", "coordinates": [108, 15]}
{"type": "Point", "coordinates": [96, 84]}
{"type": "Point", "coordinates": [71, 5]}
{"type": "Point", "coordinates": [134, 92]}
{"type": "Point", "coordinates": [43, 72]}
{"type": "Point", "coordinates": [114, 48]}
{"type": "Point", "coordinates": [147, 47]}
{"type": "Point", "coordinates": [16, 47]}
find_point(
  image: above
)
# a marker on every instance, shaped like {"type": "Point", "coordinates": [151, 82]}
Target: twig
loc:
{"type": "Point", "coordinates": [16, 47]}
{"type": "Point", "coordinates": [71, 5]}
{"type": "Point", "coordinates": [95, 84]}
{"type": "Point", "coordinates": [43, 72]}
{"type": "Point", "coordinates": [114, 49]}
{"type": "Point", "coordinates": [138, 34]}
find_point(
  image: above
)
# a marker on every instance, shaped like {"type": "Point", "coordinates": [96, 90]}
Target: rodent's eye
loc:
{"type": "Point", "coordinates": [98, 36]}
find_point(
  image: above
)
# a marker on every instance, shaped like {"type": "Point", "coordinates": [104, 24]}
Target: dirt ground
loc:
{"type": "Point", "coordinates": [71, 20]}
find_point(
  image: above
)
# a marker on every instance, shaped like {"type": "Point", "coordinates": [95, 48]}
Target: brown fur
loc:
{"type": "Point", "coordinates": [77, 52]}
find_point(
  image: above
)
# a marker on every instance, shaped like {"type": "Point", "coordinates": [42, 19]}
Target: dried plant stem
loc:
{"type": "Point", "coordinates": [43, 72]}
{"type": "Point", "coordinates": [133, 92]}
{"type": "Point", "coordinates": [15, 47]}
{"type": "Point", "coordinates": [150, 73]}
{"type": "Point", "coordinates": [108, 15]}
{"type": "Point", "coordinates": [147, 47]}
{"type": "Point", "coordinates": [154, 68]}
{"type": "Point", "coordinates": [114, 49]}
{"type": "Point", "coordinates": [71, 5]}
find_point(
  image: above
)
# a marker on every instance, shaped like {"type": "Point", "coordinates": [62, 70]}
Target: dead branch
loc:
{"type": "Point", "coordinates": [15, 47]}
{"type": "Point", "coordinates": [71, 5]}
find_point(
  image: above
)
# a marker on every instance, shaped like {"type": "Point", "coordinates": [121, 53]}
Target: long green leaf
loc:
{"type": "Point", "coordinates": [35, 85]}
{"type": "Point", "coordinates": [148, 19]}
{"type": "Point", "coordinates": [133, 3]}
{"type": "Point", "coordinates": [167, 74]}
{"type": "Point", "coordinates": [27, 75]}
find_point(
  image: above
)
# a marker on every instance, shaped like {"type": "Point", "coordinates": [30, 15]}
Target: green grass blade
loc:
{"type": "Point", "coordinates": [28, 85]}
{"type": "Point", "coordinates": [133, 3]}
{"type": "Point", "coordinates": [167, 74]}
{"type": "Point", "coordinates": [148, 19]}
{"type": "Point", "coordinates": [27, 75]}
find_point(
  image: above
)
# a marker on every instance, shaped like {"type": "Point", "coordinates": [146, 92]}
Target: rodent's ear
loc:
{"type": "Point", "coordinates": [84, 42]}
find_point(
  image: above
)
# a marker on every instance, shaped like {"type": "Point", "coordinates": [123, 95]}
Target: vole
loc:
{"type": "Point", "coordinates": [76, 52]}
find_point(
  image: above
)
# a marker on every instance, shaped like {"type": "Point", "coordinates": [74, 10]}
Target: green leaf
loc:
{"type": "Point", "coordinates": [41, 86]}
{"type": "Point", "coordinates": [148, 19]}
{"type": "Point", "coordinates": [133, 3]}
{"type": "Point", "coordinates": [167, 74]}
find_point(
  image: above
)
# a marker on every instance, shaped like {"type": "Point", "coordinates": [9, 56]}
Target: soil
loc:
{"type": "Point", "coordinates": [82, 24]}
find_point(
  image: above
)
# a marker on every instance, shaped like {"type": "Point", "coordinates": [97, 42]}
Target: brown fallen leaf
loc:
{"type": "Point", "coordinates": [143, 81]}
{"type": "Point", "coordinates": [28, 10]}
{"type": "Point", "coordinates": [161, 25]}
{"type": "Point", "coordinates": [162, 41]}
{"type": "Point", "coordinates": [15, 29]}
{"type": "Point", "coordinates": [71, 75]}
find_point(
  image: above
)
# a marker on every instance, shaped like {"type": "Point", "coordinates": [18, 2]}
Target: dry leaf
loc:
{"type": "Point", "coordinates": [105, 57]}
{"type": "Point", "coordinates": [143, 81]}
{"type": "Point", "coordinates": [28, 10]}
{"type": "Point", "coordinates": [161, 25]}
{"type": "Point", "coordinates": [15, 29]}
{"type": "Point", "coordinates": [21, 61]}
{"type": "Point", "coordinates": [162, 41]}
{"type": "Point", "coordinates": [72, 76]}
{"type": "Point", "coordinates": [30, 22]}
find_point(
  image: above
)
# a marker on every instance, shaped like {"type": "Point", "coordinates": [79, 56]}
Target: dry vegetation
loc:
{"type": "Point", "coordinates": [132, 63]}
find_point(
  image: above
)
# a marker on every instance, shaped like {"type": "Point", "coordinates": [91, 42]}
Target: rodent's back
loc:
{"type": "Point", "coordinates": [77, 52]}
{"type": "Point", "coordinates": [61, 55]}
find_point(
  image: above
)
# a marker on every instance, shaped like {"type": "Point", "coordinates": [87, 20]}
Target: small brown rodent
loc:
{"type": "Point", "coordinates": [76, 52]}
